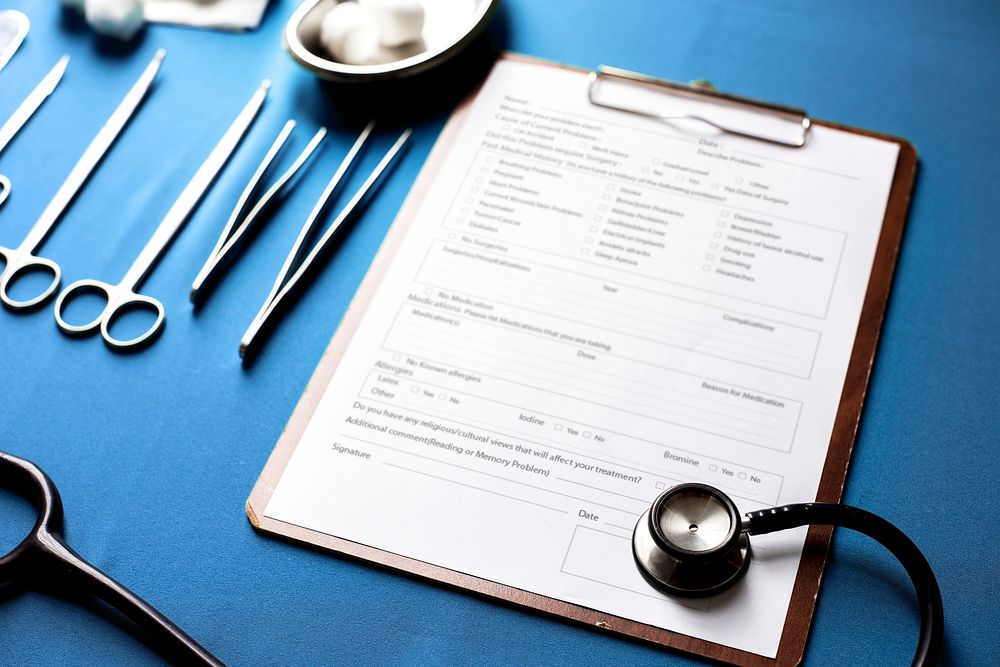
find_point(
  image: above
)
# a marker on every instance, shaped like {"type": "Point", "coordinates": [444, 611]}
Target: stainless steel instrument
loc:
{"type": "Point", "coordinates": [301, 260]}
{"type": "Point", "coordinates": [250, 209]}
{"type": "Point", "coordinates": [25, 111]}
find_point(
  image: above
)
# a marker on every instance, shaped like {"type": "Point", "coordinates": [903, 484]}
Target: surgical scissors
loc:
{"type": "Point", "coordinates": [20, 261]}
{"type": "Point", "coordinates": [43, 561]}
{"type": "Point", "coordinates": [122, 298]}
{"type": "Point", "coordinates": [25, 111]}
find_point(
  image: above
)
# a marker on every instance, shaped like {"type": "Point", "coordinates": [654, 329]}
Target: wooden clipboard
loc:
{"type": "Point", "coordinates": [806, 588]}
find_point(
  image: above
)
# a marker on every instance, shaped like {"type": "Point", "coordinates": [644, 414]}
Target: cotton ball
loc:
{"type": "Point", "coordinates": [121, 19]}
{"type": "Point", "coordinates": [349, 33]}
{"type": "Point", "coordinates": [399, 21]}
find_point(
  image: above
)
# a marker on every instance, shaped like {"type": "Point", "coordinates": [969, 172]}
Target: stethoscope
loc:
{"type": "Point", "coordinates": [692, 542]}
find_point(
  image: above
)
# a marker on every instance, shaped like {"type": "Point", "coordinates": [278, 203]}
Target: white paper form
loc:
{"type": "Point", "coordinates": [589, 307]}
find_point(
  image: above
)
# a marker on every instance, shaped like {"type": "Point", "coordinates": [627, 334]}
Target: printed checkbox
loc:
{"type": "Point", "coordinates": [706, 267]}
{"type": "Point", "coordinates": [709, 256]}
{"type": "Point", "coordinates": [720, 223]}
{"type": "Point", "coordinates": [415, 389]}
{"type": "Point", "coordinates": [656, 160]}
{"type": "Point", "coordinates": [742, 475]}
{"type": "Point", "coordinates": [739, 179]}
{"type": "Point", "coordinates": [713, 246]}
{"type": "Point", "coordinates": [593, 228]}
{"type": "Point", "coordinates": [459, 222]}
{"type": "Point", "coordinates": [584, 251]}
{"type": "Point", "coordinates": [479, 179]}
{"type": "Point", "coordinates": [611, 186]}
{"type": "Point", "coordinates": [645, 170]}
{"type": "Point", "coordinates": [464, 211]}
{"type": "Point", "coordinates": [441, 397]}
{"type": "Point", "coordinates": [661, 485]}
{"type": "Point", "coordinates": [558, 427]}
{"type": "Point", "coordinates": [586, 434]}
{"type": "Point", "coordinates": [606, 197]}
{"type": "Point", "coordinates": [589, 239]}
{"type": "Point", "coordinates": [598, 218]}
{"type": "Point", "coordinates": [712, 467]}
{"type": "Point", "coordinates": [489, 158]}
{"type": "Point", "coordinates": [473, 190]}
{"type": "Point", "coordinates": [717, 235]}
{"type": "Point", "coordinates": [484, 169]}
{"type": "Point", "coordinates": [724, 214]}
{"type": "Point", "coordinates": [451, 237]}
{"type": "Point", "coordinates": [602, 207]}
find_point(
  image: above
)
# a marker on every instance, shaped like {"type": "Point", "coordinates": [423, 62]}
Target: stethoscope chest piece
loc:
{"type": "Point", "coordinates": [691, 542]}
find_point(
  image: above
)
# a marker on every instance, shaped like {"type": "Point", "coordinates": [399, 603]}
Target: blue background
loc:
{"type": "Point", "coordinates": [155, 453]}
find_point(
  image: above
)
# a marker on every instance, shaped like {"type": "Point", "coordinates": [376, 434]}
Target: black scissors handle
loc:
{"type": "Point", "coordinates": [44, 561]}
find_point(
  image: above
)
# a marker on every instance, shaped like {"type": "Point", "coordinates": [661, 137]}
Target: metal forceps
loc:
{"type": "Point", "coordinates": [122, 298]}
{"type": "Point", "coordinates": [249, 209]}
{"type": "Point", "coordinates": [300, 260]}
{"type": "Point", "coordinates": [43, 561]}
{"type": "Point", "coordinates": [20, 261]}
{"type": "Point", "coordinates": [25, 110]}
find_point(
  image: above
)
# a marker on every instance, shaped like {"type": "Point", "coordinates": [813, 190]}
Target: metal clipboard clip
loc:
{"type": "Point", "coordinates": [775, 124]}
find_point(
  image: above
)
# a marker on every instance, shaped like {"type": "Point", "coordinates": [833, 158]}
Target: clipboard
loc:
{"type": "Point", "coordinates": [806, 587]}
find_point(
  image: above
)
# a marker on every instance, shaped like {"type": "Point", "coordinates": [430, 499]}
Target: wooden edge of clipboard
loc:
{"type": "Point", "coordinates": [791, 649]}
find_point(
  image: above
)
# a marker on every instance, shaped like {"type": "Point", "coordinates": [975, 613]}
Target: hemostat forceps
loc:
{"type": "Point", "coordinates": [250, 209]}
{"type": "Point", "coordinates": [300, 259]}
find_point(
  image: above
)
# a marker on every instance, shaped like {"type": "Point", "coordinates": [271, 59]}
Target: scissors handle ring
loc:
{"type": "Point", "coordinates": [128, 300]}
{"type": "Point", "coordinates": [119, 300]}
{"type": "Point", "coordinates": [4, 189]}
{"type": "Point", "coordinates": [18, 264]}
{"type": "Point", "coordinates": [43, 561]}
{"type": "Point", "coordinates": [74, 290]}
{"type": "Point", "coordinates": [27, 480]}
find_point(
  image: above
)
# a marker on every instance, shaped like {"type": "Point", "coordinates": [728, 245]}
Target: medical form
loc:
{"type": "Point", "coordinates": [585, 308]}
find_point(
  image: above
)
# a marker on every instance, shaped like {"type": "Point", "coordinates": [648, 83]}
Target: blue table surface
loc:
{"type": "Point", "coordinates": [155, 453]}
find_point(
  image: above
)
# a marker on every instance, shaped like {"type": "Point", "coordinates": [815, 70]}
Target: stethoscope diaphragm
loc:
{"type": "Point", "coordinates": [691, 542]}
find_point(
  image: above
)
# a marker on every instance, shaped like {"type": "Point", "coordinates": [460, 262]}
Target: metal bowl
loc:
{"type": "Point", "coordinates": [449, 27]}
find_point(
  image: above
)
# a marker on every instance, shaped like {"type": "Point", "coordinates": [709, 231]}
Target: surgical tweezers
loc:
{"type": "Point", "coordinates": [300, 260]}
{"type": "Point", "coordinates": [250, 209]}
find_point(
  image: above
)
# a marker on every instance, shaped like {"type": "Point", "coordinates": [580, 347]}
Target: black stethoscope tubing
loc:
{"type": "Point", "coordinates": [931, 641]}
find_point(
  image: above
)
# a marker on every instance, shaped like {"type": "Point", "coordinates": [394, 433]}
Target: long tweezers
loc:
{"type": "Point", "coordinates": [249, 208]}
{"type": "Point", "coordinates": [299, 262]}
